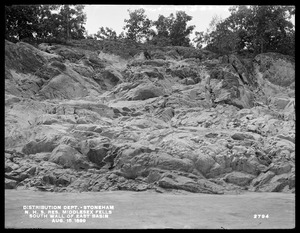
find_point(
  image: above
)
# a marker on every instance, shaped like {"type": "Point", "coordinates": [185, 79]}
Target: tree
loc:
{"type": "Point", "coordinates": [161, 36]}
{"type": "Point", "coordinates": [163, 25]}
{"type": "Point", "coordinates": [180, 31]}
{"type": "Point", "coordinates": [199, 39]}
{"type": "Point", "coordinates": [137, 26]}
{"type": "Point", "coordinates": [173, 31]}
{"type": "Point", "coordinates": [48, 21]}
{"type": "Point", "coordinates": [44, 21]}
{"type": "Point", "coordinates": [216, 20]}
{"type": "Point", "coordinates": [21, 21]}
{"type": "Point", "coordinates": [224, 36]}
{"type": "Point", "coordinates": [270, 27]}
{"type": "Point", "coordinates": [106, 33]}
{"type": "Point", "coordinates": [255, 28]}
{"type": "Point", "coordinates": [223, 39]}
{"type": "Point", "coordinates": [121, 36]}
{"type": "Point", "coordinates": [71, 20]}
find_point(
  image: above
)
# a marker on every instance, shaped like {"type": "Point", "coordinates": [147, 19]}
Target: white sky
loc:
{"type": "Point", "coordinates": [113, 16]}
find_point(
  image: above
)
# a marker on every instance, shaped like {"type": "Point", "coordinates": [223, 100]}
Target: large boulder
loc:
{"type": "Point", "coordinates": [278, 183]}
{"type": "Point", "coordinates": [229, 80]}
{"type": "Point", "coordinates": [174, 181]}
{"type": "Point", "coordinates": [45, 145]}
{"type": "Point", "coordinates": [183, 72]}
{"type": "Point", "coordinates": [68, 53]}
{"type": "Point", "coordinates": [145, 91]}
{"type": "Point", "coordinates": [24, 58]}
{"type": "Point", "coordinates": [168, 162]}
{"type": "Point", "coordinates": [69, 85]}
{"type": "Point", "coordinates": [228, 88]}
{"type": "Point", "coordinates": [204, 162]}
{"type": "Point", "coordinates": [110, 77]}
{"type": "Point", "coordinates": [242, 136]}
{"type": "Point", "coordinates": [23, 63]}
{"type": "Point", "coordinates": [239, 178]}
{"type": "Point", "coordinates": [10, 166]}
{"type": "Point", "coordinates": [280, 102]}
{"type": "Point", "coordinates": [165, 114]}
{"type": "Point", "coordinates": [179, 182]}
{"type": "Point", "coordinates": [262, 179]}
{"type": "Point", "coordinates": [153, 73]}
{"type": "Point", "coordinates": [95, 149]}
{"type": "Point", "coordinates": [239, 67]}
{"type": "Point", "coordinates": [143, 123]}
{"type": "Point", "coordinates": [128, 151]}
{"type": "Point", "coordinates": [68, 157]}
{"type": "Point", "coordinates": [280, 168]}
{"type": "Point", "coordinates": [10, 184]}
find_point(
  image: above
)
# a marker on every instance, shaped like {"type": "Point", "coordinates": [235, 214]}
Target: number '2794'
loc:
{"type": "Point", "coordinates": [261, 216]}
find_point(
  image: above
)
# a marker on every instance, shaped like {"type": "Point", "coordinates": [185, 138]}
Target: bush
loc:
{"type": "Point", "coordinates": [54, 40]}
{"type": "Point", "coordinates": [188, 52]}
{"type": "Point", "coordinates": [49, 40]}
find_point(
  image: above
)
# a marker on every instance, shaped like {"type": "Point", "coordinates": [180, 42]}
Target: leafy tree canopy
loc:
{"type": "Point", "coordinates": [137, 26]}
{"type": "Point", "coordinates": [106, 33]}
{"type": "Point", "coordinates": [255, 28]}
{"type": "Point", "coordinates": [44, 21]}
{"type": "Point", "coordinates": [20, 21]}
{"type": "Point", "coordinates": [173, 30]}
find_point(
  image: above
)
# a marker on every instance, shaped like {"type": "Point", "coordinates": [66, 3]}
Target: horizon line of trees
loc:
{"type": "Point", "coordinates": [255, 29]}
{"type": "Point", "coordinates": [44, 22]}
{"type": "Point", "coordinates": [172, 30]}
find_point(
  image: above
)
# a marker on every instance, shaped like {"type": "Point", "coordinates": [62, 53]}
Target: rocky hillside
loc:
{"type": "Point", "coordinates": [94, 116]}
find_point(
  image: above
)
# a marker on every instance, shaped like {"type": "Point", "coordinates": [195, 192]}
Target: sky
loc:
{"type": "Point", "coordinates": [112, 16]}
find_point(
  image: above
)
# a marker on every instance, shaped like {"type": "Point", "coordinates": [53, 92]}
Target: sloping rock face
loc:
{"type": "Point", "coordinates": [94, 116]}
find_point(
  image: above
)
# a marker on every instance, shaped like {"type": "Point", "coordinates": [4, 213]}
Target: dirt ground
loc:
{"type": "Point", "coordinates": [143, 210]}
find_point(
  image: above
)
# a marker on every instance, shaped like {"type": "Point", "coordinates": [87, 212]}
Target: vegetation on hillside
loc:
{"type": "Point", "coordinates": [249, 29]}
{"type": "Point", "coordinates": [40, 22]}
{"type": "Point", "coordinates": [256, 29]}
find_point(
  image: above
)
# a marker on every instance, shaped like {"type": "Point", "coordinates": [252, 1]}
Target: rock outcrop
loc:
{"type": "Point", "coordinates": [96, 116]}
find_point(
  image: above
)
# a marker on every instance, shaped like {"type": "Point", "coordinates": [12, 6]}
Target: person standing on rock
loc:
{"type": "Point", "coordinates": [147, 55]}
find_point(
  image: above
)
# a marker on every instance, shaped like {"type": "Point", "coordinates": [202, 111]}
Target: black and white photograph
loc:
{"type": "Point", "coordinates": [149, 116]}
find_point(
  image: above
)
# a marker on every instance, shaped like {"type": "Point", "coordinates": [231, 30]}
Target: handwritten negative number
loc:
{"type": "Point", "coordinates": [261, 216]}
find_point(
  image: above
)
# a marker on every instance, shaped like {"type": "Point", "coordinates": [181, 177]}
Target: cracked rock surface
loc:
{"type": "Point", "coordinates": [82, 117]}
